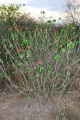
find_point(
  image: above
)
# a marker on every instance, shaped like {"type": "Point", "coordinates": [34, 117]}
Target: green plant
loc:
{"type": "Point", "coordinates": [40, 63]}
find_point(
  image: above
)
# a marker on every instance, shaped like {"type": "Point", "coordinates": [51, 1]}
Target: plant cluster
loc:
{"type": "Point", "coordinates": [38, 58]}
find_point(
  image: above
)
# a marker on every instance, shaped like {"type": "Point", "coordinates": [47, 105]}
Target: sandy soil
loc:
{"type": "Point", "coordinates": [20, 107]}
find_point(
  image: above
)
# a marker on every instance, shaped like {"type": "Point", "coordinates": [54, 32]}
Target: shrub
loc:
{"type": "Point", "coordinates": [38, 61]}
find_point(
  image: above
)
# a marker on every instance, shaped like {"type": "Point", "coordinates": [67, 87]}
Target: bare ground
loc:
{"type": "Point", "coordinates": [20, 107]}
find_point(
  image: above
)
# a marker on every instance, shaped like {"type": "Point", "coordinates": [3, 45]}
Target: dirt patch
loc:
{"type": "Point", "coordinates": [19, 107]}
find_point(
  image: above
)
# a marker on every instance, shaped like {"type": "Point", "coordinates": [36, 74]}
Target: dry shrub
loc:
{"type": "Point", "coordinates": [66, 110]}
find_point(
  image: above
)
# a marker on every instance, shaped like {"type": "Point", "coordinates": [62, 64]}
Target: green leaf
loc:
{"type": "Point", "coordinates": [1, 61]}
{"type": "Point", "coordinates": [48, 67]}
{"type": "Point", "coordinates": [7, 52]}
{"type": "Point", "coordinates": [62, 50]}
{"type": "Point", "coordinates": [10, 59]}
{"type": "Point", "coordinates": [70, 46]}
{"type": "Point", "coordinates": [42, 69]}
{"type": "Point", "coordinates": [32, 78]}
{"type": "Point", "coordinates": [49, 21]}
{"type": "Point", "coordinates": [31, 95]}
{"type": "Point", "coordinates": [68, 73]}
{"type": "Point", "coordinates": [12, 36]}
{"type": "Point", "coordinates": [20, 65]}
{"type": "Point", "coordinates": [11, 46]}
{"type": "Point", "coordinates": [73, 61]}
{"type": "Point", "coordinates": [57, 57]}
{"type": "Point", "coordinates": [28, 70]}
{"type": "Point", "coordinates": [28, 53]}
{"type": "Point", "coordinates": [25, 43]}
{"type": "Point", "coordinates": [54, 20]}
{"type": "Point", "coordinates": [3, 41]}
{"type": "Point", "coordinates": [42, 12]}
{"type": "Point", "coordinates": [49, 72]}
{"type": "Point", "coordinates": [37, 74]}
{"type": "Point", "coordinates": [68, 78]}
{"type": "Point", "coordinates": [4, 75]}
{"type": "Point", "coordinates": [20, 56]}
{"type": "Point", "coordinates": [12, 73]}
{"type": "Point", "coordinates": [16, 62]}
